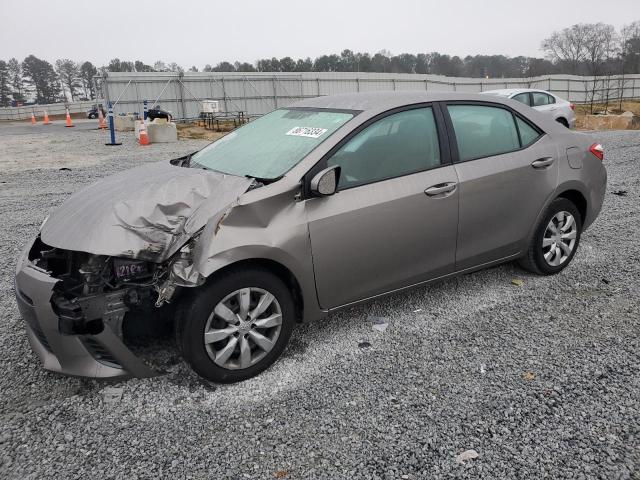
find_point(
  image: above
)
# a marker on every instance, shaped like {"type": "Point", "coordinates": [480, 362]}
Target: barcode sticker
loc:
{"type": "Point", "coordinates": [311, 132]}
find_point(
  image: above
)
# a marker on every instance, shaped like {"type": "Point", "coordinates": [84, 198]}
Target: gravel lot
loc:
{"type": "Point", "coordinates": [542, 380]}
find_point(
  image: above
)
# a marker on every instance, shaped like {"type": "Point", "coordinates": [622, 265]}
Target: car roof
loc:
{"type": "Point", "coordinates": [507, 92]}
{"type": "Point", "coordinates": [386, 100]}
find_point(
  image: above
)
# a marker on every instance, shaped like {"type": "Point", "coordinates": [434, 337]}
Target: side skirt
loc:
{"type": "Point", "coordinates": [432, 280]}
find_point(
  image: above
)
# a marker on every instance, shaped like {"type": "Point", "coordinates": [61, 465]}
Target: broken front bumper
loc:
{"type": "Point", "coordinates": [99, 356]}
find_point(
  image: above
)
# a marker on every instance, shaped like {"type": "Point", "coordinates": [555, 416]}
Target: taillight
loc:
{"type": "Point", "coordinates": [597, 150]}
{"type": "Point", "coordinates": [573, 107]}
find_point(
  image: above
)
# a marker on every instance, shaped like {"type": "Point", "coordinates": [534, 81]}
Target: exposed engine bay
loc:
{"type": "Point", "coordinates": [95, 291]}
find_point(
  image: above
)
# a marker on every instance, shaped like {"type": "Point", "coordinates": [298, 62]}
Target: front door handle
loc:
{"type": "Point", "coordinates": [440, 189]}
{"type": "Point", "coordinates": [542, 162]}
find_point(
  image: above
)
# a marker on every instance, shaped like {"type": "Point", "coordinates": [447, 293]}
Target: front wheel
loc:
{"type": "Point", "coordinates": [237, 325]}
{"type": "Point", "coordinates": [555, 239]}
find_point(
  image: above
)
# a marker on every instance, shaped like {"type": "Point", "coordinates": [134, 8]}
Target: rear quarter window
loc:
{"type": "Point", "coordinates": [528, 134]}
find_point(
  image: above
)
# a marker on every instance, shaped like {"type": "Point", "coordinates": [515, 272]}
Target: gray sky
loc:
{"type": "Point", "coordinates": [198, 32]}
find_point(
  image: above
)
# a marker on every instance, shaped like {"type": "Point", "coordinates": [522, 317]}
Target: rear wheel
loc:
{"type": "Point", "coordinates": [236, 326]}
{"type": "Point", "coordinates": [563, 121]}
{"type": "Point", "coordinates": [555, 239]}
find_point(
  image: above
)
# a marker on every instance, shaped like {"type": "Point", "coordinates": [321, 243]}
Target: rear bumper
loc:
{"type": "Point", "coordinates": [97, 356]}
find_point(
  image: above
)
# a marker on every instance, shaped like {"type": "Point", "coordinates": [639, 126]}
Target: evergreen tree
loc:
{"type": "Point", "coordinates": [15, 79]}
{"type": "Point", "coordinates": [42, 77]}
{"type": "Point", "coordinates": [69, 74]}
{"type": "Point", "coordinates": [87, 72]}
{"type": "Point", "coordinates": [5, 90]}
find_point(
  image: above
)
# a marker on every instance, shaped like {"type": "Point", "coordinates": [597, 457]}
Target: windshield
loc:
{"type": "Point", "coordinates": [271, 145]}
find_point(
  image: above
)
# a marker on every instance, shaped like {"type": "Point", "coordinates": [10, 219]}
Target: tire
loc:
{"type": "Point", "coordinates": [539, 257]}
{"type": "Point", "coordinates": [562, 121]}
{"type": "Point", "coordinates": [200, 313]}
{"type": "Point", "coordinates": [92, 116]}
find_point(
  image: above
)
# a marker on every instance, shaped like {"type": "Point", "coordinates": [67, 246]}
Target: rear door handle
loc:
{"type": "Point", "coordinates": [542, 162]}
{"type": "Point", "coordinates": [440, 188]}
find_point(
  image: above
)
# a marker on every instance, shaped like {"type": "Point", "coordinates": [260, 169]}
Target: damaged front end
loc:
{"type": "Point", "coordinates": [74, 305]}
{"type": "Point", "coordinates": [111, 257]}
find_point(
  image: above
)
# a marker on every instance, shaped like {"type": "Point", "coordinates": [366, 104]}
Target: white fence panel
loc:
{"type": "Point", "coordinates": [259, 93]}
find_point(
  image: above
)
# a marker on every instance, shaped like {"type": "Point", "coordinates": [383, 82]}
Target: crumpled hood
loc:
{"type": "Point", "coordinates": [147, 212]}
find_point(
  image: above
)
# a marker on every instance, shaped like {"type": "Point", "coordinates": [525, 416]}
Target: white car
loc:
{"type": "Point", "coordinates": [545, 102]}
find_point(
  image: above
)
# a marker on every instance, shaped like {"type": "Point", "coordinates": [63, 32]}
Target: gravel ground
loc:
{"type": "Point", "coordinates": [542, 379]}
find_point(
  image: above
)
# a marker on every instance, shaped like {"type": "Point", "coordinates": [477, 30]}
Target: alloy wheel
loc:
{"type": "Point", "coordinates": [243, 328]}
{"type": "Point", "coordinates": [559, 238]}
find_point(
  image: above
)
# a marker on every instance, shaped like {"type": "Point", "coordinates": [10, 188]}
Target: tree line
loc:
{"type": "Point", "coordinates": [582, 49]}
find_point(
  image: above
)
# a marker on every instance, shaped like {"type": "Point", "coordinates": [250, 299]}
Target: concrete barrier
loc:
{"type": "Point", "coordinates": [159, 131]}
{"type": "Point", "coordinates": [626, 121]}
{"type": "Point", "coordinates": [162, 132]}
{"type": "Point", "coordinates": [125, 123]}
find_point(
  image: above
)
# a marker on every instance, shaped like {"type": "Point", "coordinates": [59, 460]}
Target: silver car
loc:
{"type": "Point", "coordinates": [552, 105]}
{"type": "Point", "coordinates": [308, 209]}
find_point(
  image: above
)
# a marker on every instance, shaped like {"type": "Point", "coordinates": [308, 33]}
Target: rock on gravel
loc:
{"type": "Point", "coordinates": [345, 401]}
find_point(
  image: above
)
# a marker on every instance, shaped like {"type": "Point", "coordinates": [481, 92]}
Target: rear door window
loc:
{"type": "Point", "coordinates": [483, 131]}
{"type": "Point", "coordinates": [523, 98]}
{"type": "Point", "coordinates": [540, 99]}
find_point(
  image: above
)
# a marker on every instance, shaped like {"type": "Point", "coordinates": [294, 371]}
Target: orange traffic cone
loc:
{"type": "Point", "coordinates": [46, 119]}
{"type": "Point", "coordinates": [33, 119]}
{"type": "Point", "coordinates": [69, 122]}
{"type": "Point", "coordinates": [102, 124]}
{"type": "Point", "coordinates": [144, 138]}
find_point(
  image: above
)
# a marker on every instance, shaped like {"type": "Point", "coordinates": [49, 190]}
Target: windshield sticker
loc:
{"type": "Point", "coordinates": [311, 132]}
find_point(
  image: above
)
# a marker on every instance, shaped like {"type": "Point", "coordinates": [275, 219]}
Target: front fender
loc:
{"type": "Point", "coordinates": [265, 230]}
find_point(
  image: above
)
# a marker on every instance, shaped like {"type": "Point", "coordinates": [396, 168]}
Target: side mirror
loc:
{"type": "Point", "coordinates": [325, 182]}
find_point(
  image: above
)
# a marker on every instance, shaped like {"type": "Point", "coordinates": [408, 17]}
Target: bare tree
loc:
{"type": "Point", "coordinates": [601, 48]}
{"type": "Point", "coordinates": [174, 67]}
{"type": "Point", "coordinates": [629, 48]}
{"type": "Point", "coordinates": [568, 46]}
{"type": "Point", "coordinates": [160, 66]}
{"type": "Point", "coordinates": [591, 45]}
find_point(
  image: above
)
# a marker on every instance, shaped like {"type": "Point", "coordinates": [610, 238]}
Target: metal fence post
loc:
{"type": "Point", "coordinates": [244, 94]}
{"type": "Point", "coordinates": [105, 88]}
{"type": "Point", "coordinates": [275, 93]}
{"type": "Point", "coordinates": [181, 93]}
{"type": "Point", "coordinates": [318, 84]}
{"type": "Point", "coordinates": [224, 94]}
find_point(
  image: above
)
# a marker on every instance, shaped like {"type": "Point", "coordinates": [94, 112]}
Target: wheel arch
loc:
{"type": "Point", "coordinates": [273, 266]}
{"type": "Point", "coordinates": [572, 191]}
{"type": "Point", "coordinates": [578, 199]}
